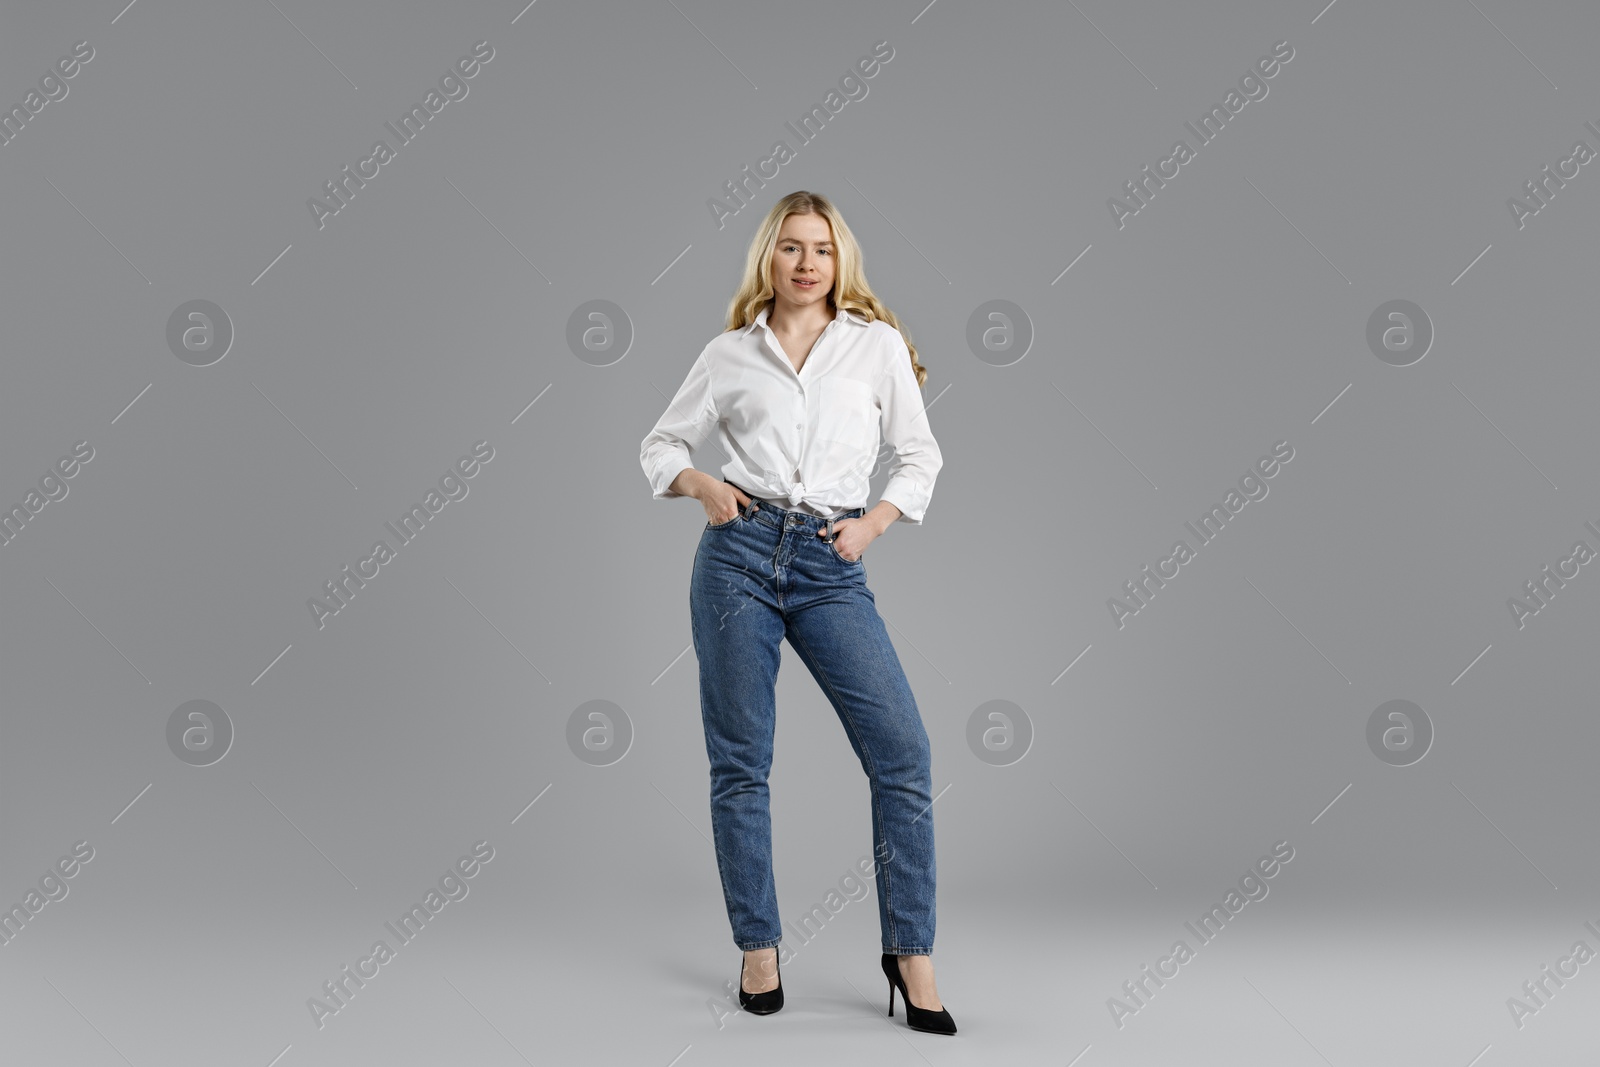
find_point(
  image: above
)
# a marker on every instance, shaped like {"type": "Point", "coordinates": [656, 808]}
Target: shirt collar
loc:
{"type": "Point", "coordinates": [845, 314]}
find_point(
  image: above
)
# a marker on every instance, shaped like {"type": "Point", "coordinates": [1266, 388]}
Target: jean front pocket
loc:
{"type": "Point", "coordinates": [724, 525]}
{"type": "Point", "coordinates": [833, 547]}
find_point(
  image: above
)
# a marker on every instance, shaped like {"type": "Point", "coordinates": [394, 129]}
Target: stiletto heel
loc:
{"type": "Point", "coordinates": [932, 1022]}
{"type": "Point", "coordinates": [761, 1003]}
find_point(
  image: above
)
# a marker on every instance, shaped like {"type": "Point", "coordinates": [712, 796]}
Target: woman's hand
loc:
{"type": "Point", "coordinates": [723, 501]}
{"type": "Point", "coordinates": [852, 536]}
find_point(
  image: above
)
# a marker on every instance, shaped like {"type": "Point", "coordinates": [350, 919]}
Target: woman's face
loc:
{"type": "Point", "coordinates": [804, 253]}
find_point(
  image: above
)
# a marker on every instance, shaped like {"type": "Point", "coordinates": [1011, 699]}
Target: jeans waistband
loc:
{"type": "Point", "coordinates": [779, 515]}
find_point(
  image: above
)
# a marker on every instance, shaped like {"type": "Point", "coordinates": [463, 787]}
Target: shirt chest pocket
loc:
{"type": "Point", "coordinates": [847, 413]}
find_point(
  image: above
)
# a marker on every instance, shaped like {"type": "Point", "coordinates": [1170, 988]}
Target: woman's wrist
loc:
{"type": "Point", "coordinates": [882, 516]}
{"type": "Point", "coordinates": [691, 482]}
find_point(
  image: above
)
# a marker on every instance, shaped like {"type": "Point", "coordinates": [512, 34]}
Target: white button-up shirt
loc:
{"type": "Point", "coordinates": [807, 438]}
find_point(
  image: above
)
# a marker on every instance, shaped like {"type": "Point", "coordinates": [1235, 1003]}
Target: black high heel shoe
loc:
{"type": "Point", "coordinates": [761, 1003]}
{"type": "Point", "coordinates": [932, 1022]}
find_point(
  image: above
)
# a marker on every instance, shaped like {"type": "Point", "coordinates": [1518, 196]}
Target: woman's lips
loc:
{"type": "Point", "coordinates": [804, 284]}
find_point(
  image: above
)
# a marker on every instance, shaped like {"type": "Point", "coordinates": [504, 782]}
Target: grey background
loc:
{"type": "Point", "coordinates": [1228, 715]}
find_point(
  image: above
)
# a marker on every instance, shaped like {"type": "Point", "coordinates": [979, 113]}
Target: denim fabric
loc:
{"type": "Point", "coordinates": [758, 578]}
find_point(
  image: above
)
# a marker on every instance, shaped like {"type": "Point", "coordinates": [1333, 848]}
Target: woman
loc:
{"type": "Point", "coordinates": [811, 367]}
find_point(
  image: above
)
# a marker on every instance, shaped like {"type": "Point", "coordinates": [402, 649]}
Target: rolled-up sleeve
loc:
{"type": "Point", "coordinates": [904, 423]}
{"type": "Point", "coordinates": [688, 419]}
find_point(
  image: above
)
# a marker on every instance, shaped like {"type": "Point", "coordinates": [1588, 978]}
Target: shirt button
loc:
{"type": "Point", "coordinates": [799, 425]}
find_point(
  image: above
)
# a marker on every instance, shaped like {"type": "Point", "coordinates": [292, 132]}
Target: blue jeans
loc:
{"type": "Point", "coordinates": [760, 577]}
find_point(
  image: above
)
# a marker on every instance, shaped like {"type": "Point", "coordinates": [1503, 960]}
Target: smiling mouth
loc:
{"type": "Point", "coordinates": [805, 283]}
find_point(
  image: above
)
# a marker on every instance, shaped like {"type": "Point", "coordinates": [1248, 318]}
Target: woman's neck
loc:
{"type": "Point", "coordinates": [800, 320]}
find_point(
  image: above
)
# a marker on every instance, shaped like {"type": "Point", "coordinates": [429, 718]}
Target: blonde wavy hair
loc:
{"type": "Point", "coordinates": [850, 288]}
